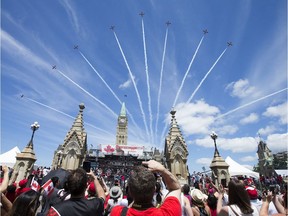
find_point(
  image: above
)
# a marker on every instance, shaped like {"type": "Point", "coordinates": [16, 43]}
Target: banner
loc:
{"type": "Point", "coordinates": [122, 149]}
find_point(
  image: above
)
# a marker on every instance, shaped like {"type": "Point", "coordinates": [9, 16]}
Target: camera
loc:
{"type": "Point", "coordinates": [272, 188]}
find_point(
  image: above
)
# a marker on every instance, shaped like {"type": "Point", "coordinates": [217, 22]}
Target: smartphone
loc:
{"type": "Point", "coordinates": [87, 166]}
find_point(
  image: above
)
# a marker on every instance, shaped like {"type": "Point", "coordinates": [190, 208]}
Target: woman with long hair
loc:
{"type": "Point", "coordinates": [238, 201]}
{"type": "Point", "coordinates": [26, 204]}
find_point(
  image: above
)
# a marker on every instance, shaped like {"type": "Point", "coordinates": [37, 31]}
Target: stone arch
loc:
{"type": "Point", "coordinates": [72, 152]}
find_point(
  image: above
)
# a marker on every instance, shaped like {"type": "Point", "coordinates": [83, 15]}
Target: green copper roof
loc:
{"type": "Point", "coordinates": [123, 110]}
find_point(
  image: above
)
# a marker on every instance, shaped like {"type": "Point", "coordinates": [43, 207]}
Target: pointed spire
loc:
{"type": "Point", "coordinates": [78, 126]}
{"type": "Point", "coordinates": [174, 132]}
{"type": "Point", "coordinates": [123, 110]}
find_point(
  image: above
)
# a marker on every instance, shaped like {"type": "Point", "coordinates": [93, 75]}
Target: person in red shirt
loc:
{"type": "Point", "coordinates": [141, 184]}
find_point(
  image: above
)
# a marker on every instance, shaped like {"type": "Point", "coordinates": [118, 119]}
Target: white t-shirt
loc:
{"type": "Point", "coordinates": [122, 202]}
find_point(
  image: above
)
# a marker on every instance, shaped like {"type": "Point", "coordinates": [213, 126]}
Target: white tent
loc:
{"type": "Point", "coordinates": [282, 172]}
{"type": "Point", "coordinates": [9, 158]}
{"type": "Point", "coordinates": [236, 169]}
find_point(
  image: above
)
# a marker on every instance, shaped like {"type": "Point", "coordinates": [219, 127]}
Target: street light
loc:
{"type": "Point", "coordinates": [35, 126]}
{"type": "Point", "coordinates": [214, 137]}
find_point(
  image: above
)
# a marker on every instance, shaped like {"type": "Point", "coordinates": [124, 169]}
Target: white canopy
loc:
{"type": "Point", "coordinates": [236, 169]}
{"type": "Point", "coordinates": [9, 158]}
{"type": "Point", "coordinates": [282, 172]}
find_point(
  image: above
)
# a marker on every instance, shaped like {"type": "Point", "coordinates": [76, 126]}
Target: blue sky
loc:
{"type": "Point", "coordinates": [237, 91]}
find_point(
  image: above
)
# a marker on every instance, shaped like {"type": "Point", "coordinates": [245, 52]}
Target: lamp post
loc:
{"type": "Point", "coordinates": [214, 137]}
{"type": "Point", "coordinates": [35, 126]}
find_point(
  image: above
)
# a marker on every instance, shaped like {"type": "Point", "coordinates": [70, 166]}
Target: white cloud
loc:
{"type": "Point", "coordinates": [240, 88]}
{"type": "Point", "coordinates": [18, 50]}
{"type": "Point", "coordinates": [236, 145]}
{"type": "Point", "coordinates": [277, 142]}
{"type": "Point", "coordinates": [126, 84]}
{"type": "Point", "coordinates": [279, 111]}
{"type": "Point", "coordinates": [204, 161]}
{"type": "Point", "coordinates": [71, 12]}
{"type": "Point", "coordinates": [267, 130]}
{"type": "Point", "coordinates": [195, 118]}
{"type": "Point", "coordinates": [249, 158]}
{"type": "Point", "coordinates": [252, 118]}
{"type": "Point", "coordinates": [227, 129]}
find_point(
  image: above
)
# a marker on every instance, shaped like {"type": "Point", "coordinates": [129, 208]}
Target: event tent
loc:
{"type": "Point", "coordinates": [9, 158]}
{"type": "Point", "coordinates": [236, 169]}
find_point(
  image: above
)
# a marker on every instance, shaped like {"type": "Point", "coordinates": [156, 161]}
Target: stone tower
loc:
{"type": "Point", "coordinates": [176, 152]}
{"type": "Point", "coordinates": [25, 160]}
{"type": "Point", "coordinates": [219, 167]}
{"type": "Point", "coordinates": [71, 154]}
{"type": "Point", "coordinates": [265, 160]}
{"type": "Point", "coordinates": [122, 127]}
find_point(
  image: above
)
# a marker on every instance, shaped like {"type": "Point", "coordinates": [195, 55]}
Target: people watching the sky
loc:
{"type": "Point", "coordinates": [145, 184]}
{"type": "Point", "coordinates": [141, 185]}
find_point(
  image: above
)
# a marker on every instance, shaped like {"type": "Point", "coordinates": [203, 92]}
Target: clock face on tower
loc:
{"type": "Point", "coordinates": [122, 120]}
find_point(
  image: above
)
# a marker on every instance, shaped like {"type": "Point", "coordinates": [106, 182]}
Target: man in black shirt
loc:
{"type": "Point", "coordinates": [78, 205]}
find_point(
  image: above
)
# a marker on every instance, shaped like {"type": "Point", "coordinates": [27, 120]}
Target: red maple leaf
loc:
{"type": "Point", "coordinates": [109, 149]}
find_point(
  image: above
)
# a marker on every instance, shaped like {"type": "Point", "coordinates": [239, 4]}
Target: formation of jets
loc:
{"type": "Point", "coordinates": [229, 43]}
{"type": "Point", "coordinates": [205, 31]}
{"type": "Point", "coordinates": [54, 67]}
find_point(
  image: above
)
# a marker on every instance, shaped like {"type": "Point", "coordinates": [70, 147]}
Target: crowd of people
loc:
{"type": "Point", "coordinates": [150, 189]}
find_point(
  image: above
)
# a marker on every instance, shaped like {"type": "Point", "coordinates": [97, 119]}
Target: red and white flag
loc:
{"type": "Point", "coordinates": [35, 185]}
{"type": "Point", "coordinates": [48, 187]}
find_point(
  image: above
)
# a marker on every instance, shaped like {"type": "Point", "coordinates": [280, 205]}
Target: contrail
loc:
{"type": "Point", "coordinates": [160, 82]}
{"type": "Point", "coordinates": [135, 87]}
{"type": "Point", "coordinates": [103, 104]}
{"type": "Point", "coordinates": [49, 107]}
{"type": "Point", "coordinates": [188, 69]}
{"type": "Point", "coordinates": [130, 115]}
{"type": "Point", "coordinates": [183, 80]}
{"type": "Point", "coordinates": [195, 91]}
{"type": "Point", "coordinates": [252, 102]}
{"type": "Point", "coordinates": [147, 80]}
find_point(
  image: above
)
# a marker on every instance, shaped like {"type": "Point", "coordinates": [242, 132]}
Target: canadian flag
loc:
{"type": "Point", "coordinates": [48, 187]}
{"type": "Point", "coordinates": [35, 185]}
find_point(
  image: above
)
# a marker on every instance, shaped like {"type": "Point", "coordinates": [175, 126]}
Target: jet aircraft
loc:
{"type": "Point", "coordinates": [54, 67]}
{"type": "Point", "coordinates": [205, 31]}
{"type": "Point", "coordinates": [229, 44]}
{"type": "Point", "coordinates": [168, 23]}
{"type": "Point", "coordinates": [141, 14]}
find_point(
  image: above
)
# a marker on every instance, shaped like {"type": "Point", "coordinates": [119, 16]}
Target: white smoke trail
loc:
{"type": "Point", "coordinates": [182, 83]}
{"type": "Point", "coordinates": [250, 103]}
{"type": "Point", "coordinates": [188, 69]}
{"type": "Point", "coordinates": [134, 84]}
{"type": "Point", "coordinates": [103, 104]}
{"type": "Point", "coordinates": [147, 80]}
{"type": "Point", "coordinates": [160, 83]}
{"type": "Point", "coordinates": [130, 115]}
{"type": "Point", "coordinates": [195, 91]}
{"type": "Point", "coordinates": [49, 107]}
